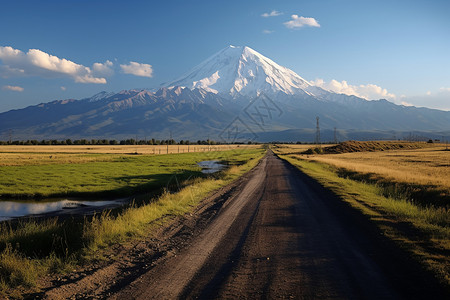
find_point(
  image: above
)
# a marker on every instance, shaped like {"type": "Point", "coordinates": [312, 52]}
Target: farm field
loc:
{"type": "Point", "coordinates": [406, 193]}
{"type": "Point", "coordinates": [103, 171]}
{"type": "Point", "coordinates": [120, 149]}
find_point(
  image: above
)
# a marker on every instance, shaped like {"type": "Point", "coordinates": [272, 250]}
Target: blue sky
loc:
{"type": "Point", "coordinates": [399, 50]}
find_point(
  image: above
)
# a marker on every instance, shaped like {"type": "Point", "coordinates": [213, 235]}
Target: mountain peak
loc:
{"type": "Point", "coordinates": [240, 70]}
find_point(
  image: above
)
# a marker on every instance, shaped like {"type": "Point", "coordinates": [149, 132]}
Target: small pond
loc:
{"type": "Point", "coordinates": [14, 209]}
{"type": "Point", "coordinates": [210, 166]}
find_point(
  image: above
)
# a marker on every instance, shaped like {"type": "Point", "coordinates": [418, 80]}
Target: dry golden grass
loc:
{"type": "Point", "coordinates": [26, 159]}
{"type": "Point", "coordinates": [295, 148]}
{"type": "Point", "coordinates": [38, 155]}
{"type": "Point", "coordinates": [426, 166]}
{"type": "Point", "coordinates": [122, 149]}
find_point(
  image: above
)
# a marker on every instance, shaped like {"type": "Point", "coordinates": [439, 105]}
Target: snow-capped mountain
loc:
{"type": "Point", "coordinates": [219, 99]}
{"type": "Point", "coordinates": [241, 71]}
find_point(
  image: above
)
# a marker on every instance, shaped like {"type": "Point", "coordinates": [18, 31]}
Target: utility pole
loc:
{"type": "Point", "coordinates": [317, 141]}
{"type": "Point", "coordinates": [10, 136]}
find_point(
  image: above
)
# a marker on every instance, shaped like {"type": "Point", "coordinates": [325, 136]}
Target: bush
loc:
{"type": "Point", "coordinates": [316, 150]}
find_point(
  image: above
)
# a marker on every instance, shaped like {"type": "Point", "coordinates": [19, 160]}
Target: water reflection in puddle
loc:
{"type": "Point", "coordinates": [210, 166]}
{"type": "Point", "coordinates": [14, 209]}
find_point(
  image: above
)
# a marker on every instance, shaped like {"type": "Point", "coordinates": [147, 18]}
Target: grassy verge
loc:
{"type": "Point", "coordinates": [32, 249]}
{"type": "Point", "coordinates": [423, 231]}
{"type": "Point", "coordinates": [423, 195]}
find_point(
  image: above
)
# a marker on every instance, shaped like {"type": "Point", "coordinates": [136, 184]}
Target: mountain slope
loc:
{"type": "Point", "coordinates": [126, 114]}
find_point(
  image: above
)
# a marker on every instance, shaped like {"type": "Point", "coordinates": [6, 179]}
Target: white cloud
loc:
{"type": "Point", "coordinates": [439, 99]}
{"type": "Point", "coordinates": [273, 13]}
{"type": "Point", "coordinates": [298, 22]}
{"type": "Point", "coordinates": [137, 69]}
{"type": "Point", "coordinates": [7, 71]}
{"type": "Point", "coordinates": [13, 88]}
{"type": "Point", "coordinates": [103, 69]}
{"type": "Point", "coordinates": [63, 88]}
{"type": "Point", "coordinates": [39, 63]}
{"type": "Point", "coordinates": [368, 91]}
{"type": "Point", "coordinates": [266, 31]}
{"type": "Point", "coordinates": [53, 63]}
{"type": "Point", "coordinates": [89, 79]}
{"type": "Point", "coordinates": [10, 54]}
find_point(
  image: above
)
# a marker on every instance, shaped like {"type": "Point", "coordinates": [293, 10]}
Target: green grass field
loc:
{"type": "Point", "coordinates": [94, 175]}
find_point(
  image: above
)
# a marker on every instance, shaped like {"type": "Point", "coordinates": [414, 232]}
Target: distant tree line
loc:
{"type": "Point", "coordinates": [115, 142]}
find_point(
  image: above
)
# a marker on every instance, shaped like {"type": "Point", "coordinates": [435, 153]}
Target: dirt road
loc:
{"type": "Point", "coordinates": [277, 234]}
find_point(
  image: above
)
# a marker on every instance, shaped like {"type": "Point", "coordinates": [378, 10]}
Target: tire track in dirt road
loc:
{"type": "Point", "coordinates": [282, 235]}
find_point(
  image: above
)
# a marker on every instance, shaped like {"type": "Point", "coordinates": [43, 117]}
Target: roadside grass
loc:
{"type": "Point", "coordinates": [106, 229]}
{"type": "Point", "coordinates": [420, 175]}
{"type": "Point", "coordinates": [15, 269]}
{"type": "Point", "coordinates": [423, 195]}
{"type": "Point", "coordinates": [100, 175]}
{"type": "Point", "coordinates": [31, 249]}
{"type": "Point", "coordinates": [424, 231]}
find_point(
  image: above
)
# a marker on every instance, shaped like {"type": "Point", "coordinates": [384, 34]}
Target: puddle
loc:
{"type": "Point", "coordinates": [210, 166]}
{"type": "Point", "coordinates": [15, 209]}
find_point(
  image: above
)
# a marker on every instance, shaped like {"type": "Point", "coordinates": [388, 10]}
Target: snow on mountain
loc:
{"type": "Point", "coordinates": [241, 71]}
{"type": "Point", "coordinates": [100, 96]}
